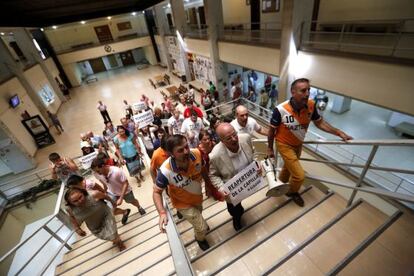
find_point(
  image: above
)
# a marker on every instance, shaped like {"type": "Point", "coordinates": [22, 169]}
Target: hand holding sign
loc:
{"type": "Point", "coordinates": [143, 119]}
{"type": "Point", "coordinates": [245, 183]}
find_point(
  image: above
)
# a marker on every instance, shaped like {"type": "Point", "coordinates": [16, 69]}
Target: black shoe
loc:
{"type": "Point", "coordinates": [124, 219]}
{"type": "Point", "coordinates": [296, 198]}
{"type": "Point", "coordinates": [179, 215]}
{"type": "Point", "coordinates": [141, 211]}
{"type": "Point", "coordinates": [203, 245]}
{"type": "Point", "coordinates": [237, 224]}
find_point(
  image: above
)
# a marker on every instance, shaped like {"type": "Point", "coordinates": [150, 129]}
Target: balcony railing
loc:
{"type": "Point", "coordinates": [258, 33]}
{"type": "Point", "coordinates": [389, 38]}
{"type": "Point", "coordinates": [61, 48]}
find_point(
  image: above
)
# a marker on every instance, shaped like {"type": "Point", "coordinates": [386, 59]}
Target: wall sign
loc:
{"type": "Point", "coordinates": [108, 48]}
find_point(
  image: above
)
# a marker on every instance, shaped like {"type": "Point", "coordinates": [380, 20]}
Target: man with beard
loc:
{"type": "Point", "coordinates": [288, 126]}
{"type": "Point", "coordinates": [182, 173]}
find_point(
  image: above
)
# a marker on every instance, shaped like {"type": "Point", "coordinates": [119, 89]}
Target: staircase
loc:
{"type": "Point", "coordinates": [278, 238]}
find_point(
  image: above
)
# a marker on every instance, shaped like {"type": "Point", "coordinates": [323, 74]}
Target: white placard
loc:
{"type": "Point", "coordinates": [86, 160]}
{"type": "Point", "coordinates": [143, 119]}
{"type": "Point", "coordinates": [244, 184]}
{"type": "Point", "coordinates": [139, 106]}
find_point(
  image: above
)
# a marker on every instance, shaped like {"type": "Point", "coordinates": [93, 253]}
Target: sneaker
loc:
{"type": "Point", "coordinates": [296, 198]}
{"type": "Point", "coordinates": [179, 215]}
{"type": "Point", "coordinates": [125, 216]}
{"type": "Point", "coordinates": [203, 245]}
{"type": "Point", "coordinates": [141, 210]}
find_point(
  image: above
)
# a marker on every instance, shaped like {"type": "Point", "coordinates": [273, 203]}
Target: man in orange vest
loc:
{"type": "Point", "coordinates": [288, 126]}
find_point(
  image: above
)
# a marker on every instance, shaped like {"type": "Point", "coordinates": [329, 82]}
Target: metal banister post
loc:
{"type": "Point", "coordinates": [363, 173]}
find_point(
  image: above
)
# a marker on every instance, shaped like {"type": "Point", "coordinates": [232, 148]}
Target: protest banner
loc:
{"type": "Point", "coordinates": [244, 184]}
{"type": "Point", "coordinates": [86, 160]}
{"type": "Point", "coordinates": [143, 119]}
{"type": "Point", "coordinates": [139, 106]}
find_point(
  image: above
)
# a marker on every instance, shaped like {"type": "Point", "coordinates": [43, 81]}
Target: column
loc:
{"type": "Point", "coordinates": [294, 13]}
{"type": "Point", "coordinates": [24, 40]}
{"type": "Point", "coordinates": [214, 18]}
{"type": "Point", "coordinates": [162, 25]}
{"type": "Point", "coordinates": [178, 12]}
{"type": "Point", "coordinates": [17, 70]}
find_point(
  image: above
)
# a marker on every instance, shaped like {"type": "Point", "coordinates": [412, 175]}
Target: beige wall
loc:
{"type": "Point", "coordinates": [150, 54]}
{"type": "Point", "coordinates": [197, 46]}
{"type": "Point", "coordinates": [37, 79]}
{"type": "Point", "coordinates": [380, 83]}
{"type": "Point", "coordinates": [337, 10]}
{"type": "Point", "coordinates": [236, 11]}
{"type": "Point", "coordinates": [74, 34]}
{"type": "Point", "coordinates": [11, 117]}
{"type": "Point", "coordinates": [258, 58]}
{"type": "Point", "coordinates": [99, 51]}
{"type": "Point", "coordinates": [73, 73]}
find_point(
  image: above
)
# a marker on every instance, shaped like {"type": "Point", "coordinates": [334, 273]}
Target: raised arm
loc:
{"type": "Point", "coordinates": [325, 126]}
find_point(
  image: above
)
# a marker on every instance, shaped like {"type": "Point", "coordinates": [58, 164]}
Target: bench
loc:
{"type": "Point", "coordinates": [91, 79]}
{"type": "Point", "coordinates": [404, 128]}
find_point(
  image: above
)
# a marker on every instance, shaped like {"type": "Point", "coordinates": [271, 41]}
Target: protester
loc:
{"type": "Point", "coordinates": [62, 167]}
{"type": "Point", "coordinates": [88, 208]}
{"type": "Point", "coordinates": [55, 121]}
{"type": "Point", "coordinates": [245, 124]}
{"type": "Point", "coordinates": [194, 123]}
{"type": "Point", "coordinates": [104, 112]}
{"type": "Point", "coordinates": [182, 173]}
{"type": "Point", "coordinates": [129, 153]}
{"type": "Point", "coordinates": [175, 122]}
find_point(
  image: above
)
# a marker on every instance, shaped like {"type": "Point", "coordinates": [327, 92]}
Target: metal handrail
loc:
{"type": "Point", "coordinates": [44, 226]}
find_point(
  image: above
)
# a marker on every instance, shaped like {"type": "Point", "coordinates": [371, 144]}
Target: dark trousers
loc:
{"type": "Point", "coordinates": [105, 116]}
{"type": "Point", "coordinates": [236, 211]}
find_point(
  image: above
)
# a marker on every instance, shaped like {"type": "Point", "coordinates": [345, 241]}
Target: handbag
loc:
{"type": "Point", "coordinates": [134, 165]}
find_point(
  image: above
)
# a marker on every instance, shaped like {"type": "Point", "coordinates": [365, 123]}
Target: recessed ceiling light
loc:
{"type": "Point", "coordinates": [83, 22]}
{"type": "Point", "coordinates": [42, 29]}
{"type": "Point", "coordinates": [134, 13]}
{"type": "Point", "coordinates": [1, 33]}
{"type": "Point", "coordinates": [109, 18]}
{"type": "Point", "coordinates": [54, 27]}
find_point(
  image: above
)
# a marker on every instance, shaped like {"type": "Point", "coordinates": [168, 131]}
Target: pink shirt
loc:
{"type": "Point", "coordinates": [115, 179]}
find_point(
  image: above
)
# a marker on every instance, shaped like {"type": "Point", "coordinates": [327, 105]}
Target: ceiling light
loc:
{"type": "Point", "coordinates": [42, 29]}
{"type": "Point", "coordinates": [134, 13]}
{"type": "Point", "coordinates": [83, 22]}
{"type": "Point", "coordinates": [143, 12]}
{"type": "Point", "coordinates": [169, 5]}
{"type": "Point", "coordinates": [54, 27]}
{"type": "Point", "coordinates": [109, 18]}
{"type": "Point", "coordinates": [11, 33]}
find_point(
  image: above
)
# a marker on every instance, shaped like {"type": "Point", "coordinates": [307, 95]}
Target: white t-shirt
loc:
{"type": "Point", "coordinates": [250, 127]}
{"type": "Point", "coordinates": [238, 159]}
{"type": "Point", "coordinates": [101, 107]}
{"type": "Point", "coordinates": [176, 124]}
{"type": "Point", "coordinates": [196, 127]}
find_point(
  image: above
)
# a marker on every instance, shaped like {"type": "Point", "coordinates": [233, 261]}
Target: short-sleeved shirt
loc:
{"type": "Point", "coordinates": [187, 112]}
{"type": "Point", "coordinates": [292, 123]}
{"type": "Point", "coordinates": [250, 127]}
{"type": "Point", "coordinates": [184, 186]}
{"type": "Point", "coordinates": [127, 147]}
{"type": "Point", "coordinates": [158, 157]}
{"type": "Point", "coordinates": [114, 180]}
{"type": "Point", "coordinates": [176, 124]}
{"type": "Point", "coordinates": [101, 107]}
{"type": "Point", "coordinates": [196, 126]}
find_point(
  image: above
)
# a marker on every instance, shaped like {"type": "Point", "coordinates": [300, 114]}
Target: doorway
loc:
{"type": "Point", "coordinates": [127, 58]}
{"type": "Point", "coordinates": [103, 33]}
{"type": "Point", "coordinates": [202, 15]}
{"type": "Point", "coordinates": [169, 19]}
{"type": "Point", "coordinates": [97, 65]}
{"type": "Point", "coordinates": [255, 14]}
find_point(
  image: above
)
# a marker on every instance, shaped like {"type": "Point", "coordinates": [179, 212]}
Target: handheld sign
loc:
{"type": "Point", "coordinates": [139, 106]}
{"type": "Point", "coordinates": [244, 184]}
{"type": "Point", "coordinates": [86, 160]}
{"type": "Point", "coordinates": [143, 119]}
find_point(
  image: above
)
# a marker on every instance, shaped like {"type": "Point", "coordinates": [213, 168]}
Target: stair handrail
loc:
{"type": "Point", "coordinates": [43, 226]}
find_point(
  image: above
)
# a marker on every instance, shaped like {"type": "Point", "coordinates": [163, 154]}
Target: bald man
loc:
{"type": "Point", "coordinates": [229, 157]}
{"type": "Point", "coordinates": [244, 124]}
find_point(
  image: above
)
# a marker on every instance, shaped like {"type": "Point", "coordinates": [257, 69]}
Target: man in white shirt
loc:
{"type": "Point", "coordinates": [175, 123]}
{"type": "Point", "coordinates": [244, 124]}
{"type": "Point", "coordinates": [102, 108]}
{"type": "Point", "coordinates": [193, 123]}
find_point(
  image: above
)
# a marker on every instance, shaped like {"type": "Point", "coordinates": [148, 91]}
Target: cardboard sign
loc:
{"type": "Point", "coordinates": [139, 106]}
{"type": "Point", "coordinates": [143, 119]}
{"type": "Point", "coordinates": [86, 160]}
{"type": "Point", "coordinates": [244, 184]}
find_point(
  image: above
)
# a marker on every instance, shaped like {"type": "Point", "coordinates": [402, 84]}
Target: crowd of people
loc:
{"type": "Point", "coordinates": [188, 149]}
